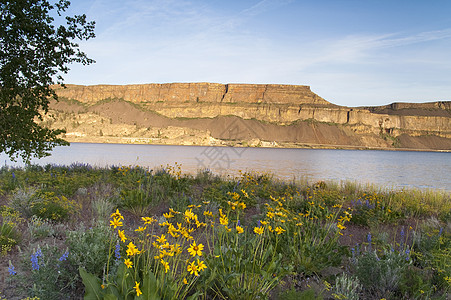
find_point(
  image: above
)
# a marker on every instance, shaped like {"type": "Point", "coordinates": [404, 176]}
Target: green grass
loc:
{"type": "Point", "coordinates": [320, 239]}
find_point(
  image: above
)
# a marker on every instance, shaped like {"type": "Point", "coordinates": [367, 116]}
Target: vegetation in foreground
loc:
{"type": "Point", "coordinates": [134, 233]}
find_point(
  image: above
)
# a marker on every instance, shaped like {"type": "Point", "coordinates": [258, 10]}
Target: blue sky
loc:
{"type": "Point", "coordinates": [353, 53]}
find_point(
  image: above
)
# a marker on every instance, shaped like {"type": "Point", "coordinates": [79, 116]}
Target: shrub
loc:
{"type": "Point", "coordinates": [311, 238]}
{"type": "Point", "coordinates": [158, 267]}
{"type": "Point", "coordinates": [373, 208]}
{"type": "Point", "coordinates": [22, 200]}
{"type": "Point", "coordinates": [380, 275]}
{"type": "Point", "coordinates": [40, 228]}
{"type": "Point", "coordinates": [51, 274]}
{"type": "Point", "coordinates": [89, 248]}
{"type": "Point", "coordinates": [136, 201]}
{"type": "Point", "coordinates": [433, 254]}
{"type": "Point", "coordinates": [245, 266]}
{"type": "Point", "coordinates": [346, 287]}
{"type": "Point", "coordinates": [102, 208]}
{"type": "Point", "coordinates": [47, 205]}
{"type": "Point", "coordinates": [9, 234]}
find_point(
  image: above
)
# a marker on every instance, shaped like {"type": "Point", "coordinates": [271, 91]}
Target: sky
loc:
{"type": "Point", "coordinates": [351, 53]}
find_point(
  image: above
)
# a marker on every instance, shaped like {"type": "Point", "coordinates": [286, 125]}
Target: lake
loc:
{"type": "Point", "coordinates": [392, 169]}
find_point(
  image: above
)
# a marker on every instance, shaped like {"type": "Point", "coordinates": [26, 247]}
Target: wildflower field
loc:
{"type": "Point", "coordinates": [74, 232]}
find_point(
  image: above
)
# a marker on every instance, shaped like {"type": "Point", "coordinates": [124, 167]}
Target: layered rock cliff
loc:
{"type": "Point", "coordinates": [194, 92]}
{"type": "Point", "coordinates": [244, 114]}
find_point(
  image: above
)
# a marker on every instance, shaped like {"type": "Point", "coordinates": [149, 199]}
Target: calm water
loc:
{"type": "Point", "coordinates": [394, 169]}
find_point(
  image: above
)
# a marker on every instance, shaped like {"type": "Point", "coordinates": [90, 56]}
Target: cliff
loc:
{"type": "Point", "coordinates": [263, 114]}
{"type": "Point", "coordinates": [194, 92]}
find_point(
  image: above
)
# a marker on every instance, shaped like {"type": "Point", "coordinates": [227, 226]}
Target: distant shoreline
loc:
{"type": "Point", "coordinates": [126, 141]}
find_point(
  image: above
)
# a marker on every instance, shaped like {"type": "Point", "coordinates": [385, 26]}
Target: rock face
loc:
{"type": "Point", "coordinates": [194, 92]}
{"type": "Point", "coordinates": [270, 113]}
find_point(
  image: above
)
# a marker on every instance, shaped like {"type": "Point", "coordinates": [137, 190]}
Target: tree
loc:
{"type": "Point", "coordinates": [37, 43]}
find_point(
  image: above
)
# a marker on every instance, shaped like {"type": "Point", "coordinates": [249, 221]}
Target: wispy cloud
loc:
{"type": "Point", "coordinates": [264, 6]}
{"type": "Point", "coordinates": [143, 41]}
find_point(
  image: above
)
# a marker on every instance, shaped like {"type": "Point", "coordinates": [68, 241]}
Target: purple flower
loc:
{"type": "Point", "coordinates": [64, 256]}
{"type": "Point", "coordinates": [117, 251]}
{"type": "Point", "coordinates": [34, 261]}
{"type": "Point", "coordinates": [11, 269]}
{"type": "Point", "coordinates": [14, 175]}
{"type": "Point", "coordinates": [368, 237]}
{"type": "Point", "coordinates": [402, 236]}
{"type": "Point", "coordinates": [407, 254]}
{"type": "Point", "coordinates": [39, 252]}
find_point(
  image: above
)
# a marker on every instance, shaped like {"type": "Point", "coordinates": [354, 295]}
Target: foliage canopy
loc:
{"type": "Point", "coordinates": [37, 43]}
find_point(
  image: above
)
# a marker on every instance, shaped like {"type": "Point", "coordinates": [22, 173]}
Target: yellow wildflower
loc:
{"type": "Point", "coordinates": [189, 215]}
{"type": "Point", "coordinates": [177, 248]}
{"type": "Point", "coordinates": [232, 204]}
{"type": "Point", "coordinates": [117, 215]}
{"type": "Point", "coordinates": [200, 265]}
{"type": "Point", "coordinates": [131, 249]}
{"type": "Point", "coordinates": [173, 231]}
{"type": "Point", "coordinates": [224, 220]}
{"type": "Point", "coordinates": [195, 249]}
{"type": "Point", "coordinates": [194, 206]}
{"type": "Point", "coordinates": [340, 226]}
{"type": "Point", "coordinates": [166, 265]}
{"type": "Point", "coordinates": [185, 281]}
{"type": "Point", "coordinates": [235, 196]}
{"type": "Point", "coordinates": [173, 211]}
{"type": "Point", "coordinates": [258, 230]}
{"type": "Point", "coordinates": [159, 256]}
{"type": "Point", "coordinates": [121, 235]}
{"type": "Point", "coordinates": [242, 205]}
{"type": "Point", "coordinates": [168, 216]}
{"type": "Point", "coordinates": [164, 253]}
{"type": "Point", "coordinates": [279, 230]}
{"type": "Point", "coordinates": [115, 223]}
{"type": "Point", "coordinates": [162, 239]}
{"type": "Point", "coordinates": [208, 213]}
{"type": "Point", "coordinates": [192, 268]}
{"type": "Point", "coordinates": [165, 223]}
{"type": "Point", "coordinates": [200, 224]}
{"type": "Point", "coordinates": [239, 229]}
{"type": "Point", "coordinates": [148, 220]}
{"type": "Point", "coordinates": [136, 287]}
{"type": "Point", "coordinates": [140, 229]}
{"type": "Point", "coordinates": [128, 263]}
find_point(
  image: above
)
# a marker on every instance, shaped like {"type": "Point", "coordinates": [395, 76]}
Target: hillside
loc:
{"type": "Point", "coordinates": [243, 115]}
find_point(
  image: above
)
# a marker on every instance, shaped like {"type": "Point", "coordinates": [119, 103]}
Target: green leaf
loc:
{"type": "Point", "coordinates": [110, 297]}
{"type": "Point", "coordinates": [150, 287]}
{"type": "Point", "coordinates": [92, 285]}
{"type": "Point", "coordinates": [194, 296]}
